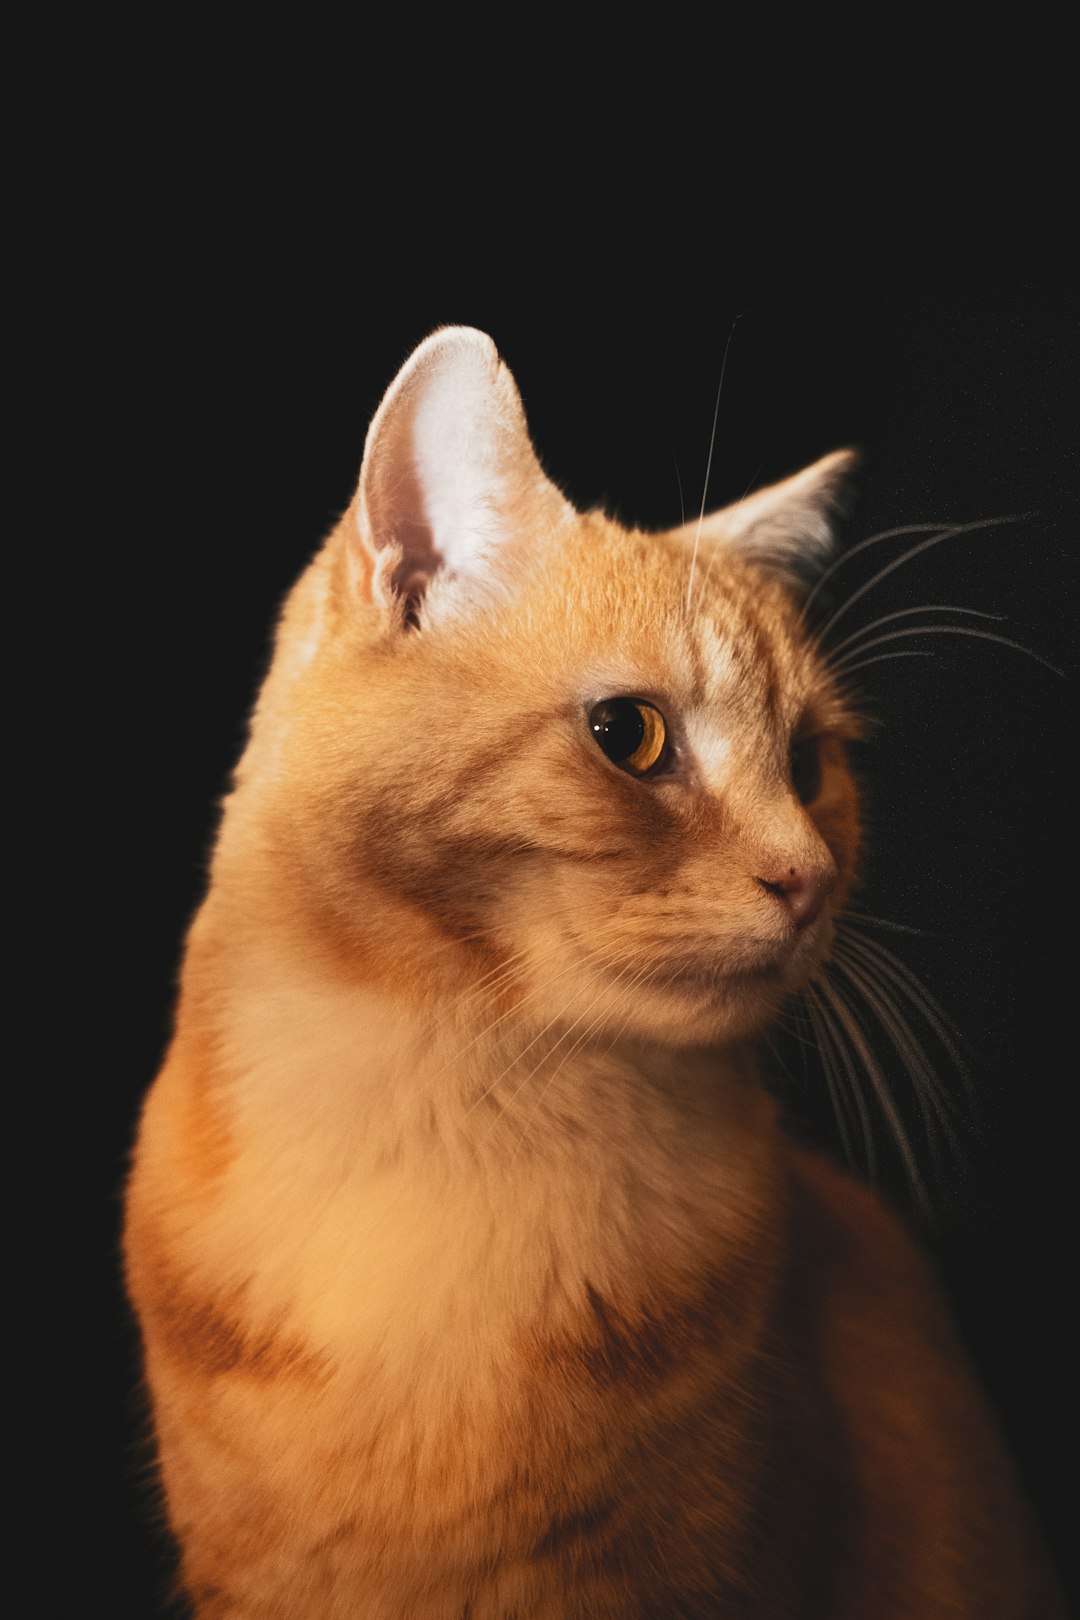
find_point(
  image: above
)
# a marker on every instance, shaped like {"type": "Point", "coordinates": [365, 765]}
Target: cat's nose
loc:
{"type": "Point", "coordinates": [801, 889]}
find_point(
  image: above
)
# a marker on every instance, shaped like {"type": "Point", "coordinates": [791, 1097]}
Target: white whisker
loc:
{"type": "Point", "coordinates": [591, 959]}
{"type": "Point", "coordinates": [678, 480]}
{"type": "Point", "coordinates": [840, 1106]}
{"type": "Point", "coordinates": [858, 1037]}
{"type": "Point", "coordinates": [853, 551]}
{"type": "Point", "coordinates": [933, 1101]}
{"type": "Point", "coordinates": [908, 984]}
{"type": "Point", "coordinates": [884, 658]}
{"type": "Point", "coordinates": [637, 978]}
{"type": "Point", "coordinates": [709, 461]}
{"type": "Point", "coordinates": [480, 998]}
{"type": "Point", "coordinates": [906, 613]}
{"type": "Point", "coordinates": [844, 1068]}
{"type": "Point", "coordinates": [846, 666]}
{"type": "Point", "coordinates": [948, 533]}
{"type": "Point", "coordinates": [885, 922]}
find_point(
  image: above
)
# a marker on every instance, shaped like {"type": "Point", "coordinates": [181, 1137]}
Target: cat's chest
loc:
{"type": "Point", "coordinates": [517, 1460]}
{"type": "Point", "coordinates": [369, 1205]}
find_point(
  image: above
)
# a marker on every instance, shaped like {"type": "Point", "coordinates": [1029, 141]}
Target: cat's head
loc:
{"type": "Point", "coordinates": [604, 768]}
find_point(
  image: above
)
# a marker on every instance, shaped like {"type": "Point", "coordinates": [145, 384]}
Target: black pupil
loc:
{"type": "Point", "coordinates": [806, 769]}
{"type": "Point", "coordinates": [618, 726]}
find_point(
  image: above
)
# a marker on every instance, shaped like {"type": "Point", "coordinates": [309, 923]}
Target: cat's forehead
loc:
{"type": "Point", "coordinates": [709, 630]}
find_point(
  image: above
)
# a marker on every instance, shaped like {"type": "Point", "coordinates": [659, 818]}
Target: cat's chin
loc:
{"type": "Point", "coordinates": [688, 1007]}
{"type": "Point", "coordinates": [699, 1001]}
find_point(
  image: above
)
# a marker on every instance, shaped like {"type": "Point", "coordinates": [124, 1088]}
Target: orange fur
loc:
{"type": "Point", "coordinates": [475, 1275]}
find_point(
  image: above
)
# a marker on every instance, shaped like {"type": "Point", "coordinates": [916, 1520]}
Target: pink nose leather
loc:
{"type": "Point", "coordinates": [803, 893]}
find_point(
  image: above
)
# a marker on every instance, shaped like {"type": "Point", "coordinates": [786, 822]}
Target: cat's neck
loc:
{"type": "Point", "coordinates": [438, 1169]}
{"type": "Point", "coordinates": [477, 1063]}
{"type": "Point", "coordinates": [324, 1069]}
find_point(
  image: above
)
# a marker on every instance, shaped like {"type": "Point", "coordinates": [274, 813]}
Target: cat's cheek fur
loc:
{"type": "Point", "coordinates": [596, 972]}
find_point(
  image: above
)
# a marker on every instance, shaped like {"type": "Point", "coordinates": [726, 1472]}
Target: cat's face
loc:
{"type": "Point", "coordinates": [605, 769]}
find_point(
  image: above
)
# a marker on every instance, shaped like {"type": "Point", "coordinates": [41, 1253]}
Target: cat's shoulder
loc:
{"type": "Point", "coordinates": [856, 1268]}
{"type": "Point", "coordinates": [867, 1306]}
{"type": "Point", "coordinates": [934, 1510]}
{"type": "Point", "coordinates": [839, 1220]}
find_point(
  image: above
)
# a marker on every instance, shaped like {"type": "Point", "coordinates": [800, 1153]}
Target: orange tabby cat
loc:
{"type": "Point", "coordinates": [475, 1276]}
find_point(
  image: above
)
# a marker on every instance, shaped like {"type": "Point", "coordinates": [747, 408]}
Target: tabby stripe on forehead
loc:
{"type": "Point", "coordinates": [765, 667]}
{"type": "Point", "coordinates": [704, 672]}
{"type": "Point", "coordinates": [750, 647]}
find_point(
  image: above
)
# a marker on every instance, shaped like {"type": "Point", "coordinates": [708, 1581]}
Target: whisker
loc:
{"type": "Point", "coordinates": [572, 965]}
{"type": "Point", "coordinates": [845, 666]}
{"type": "Point", "coordinates": [593, 958]}
{"type": "Point", "coordinates": [836, 1048]}
{"type": "Point", "coordinates": [906, 613]}
{"type": "Point", "coordinates": [490, 983]}
{"type": "Point", "coordinates": [948, 533]}
{"type": "Point", "coordinates": [678, 480]}
{"type": "Point", "coordinates": [494, 1024]}
{"type": "Point", "coordinates": [709, 461]}
{"type": "Point", "coordinates": [926, 1084]}
{"type": "Point", "coordinates": [885, 922]}
{"type": "Point", "coordinates": [897, 968]}
{"type": "Point", "coordinates": [909, 985]}
{"type": "Point", "coordinates": [790, 1020]}
{"type": "Point", "coordinates": [627, 989]}
{"type": "Point", "coordinates": [716, 550]}
{"type": "Point", "coordinates": [884, 658]}
{"type": "Point", "coordinates": [858, 1036]}
{"type": "Point", "coordinates": [853, 551]}
{"type": "Point", "coordinates": [880, 995]}
{"type": "Point", "coordinates": [841, 1108]}
{"type": "Point", "coordinates": [643, 977]}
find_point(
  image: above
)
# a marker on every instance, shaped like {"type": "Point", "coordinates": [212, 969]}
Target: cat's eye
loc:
{"type": "Point", "coordinates": [806, 768]}
{"type": "Point", "coordinates": [631, 733]}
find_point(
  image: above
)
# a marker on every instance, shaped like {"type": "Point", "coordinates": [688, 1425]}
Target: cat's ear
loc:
{"type": "Point", "coordinates": [449, 477]}
{"type": "Point", "coordinates": [787, 526]}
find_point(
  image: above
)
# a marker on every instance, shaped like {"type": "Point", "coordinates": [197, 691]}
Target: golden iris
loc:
{"type": "Point", "coordinates": [631, 733]}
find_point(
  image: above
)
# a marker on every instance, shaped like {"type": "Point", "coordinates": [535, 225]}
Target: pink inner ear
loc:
{"type": "Point", "coordinates": [398, 516]}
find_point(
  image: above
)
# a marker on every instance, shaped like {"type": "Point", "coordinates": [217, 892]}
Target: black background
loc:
{"type": "Point", "coordinates": [248, 356]}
